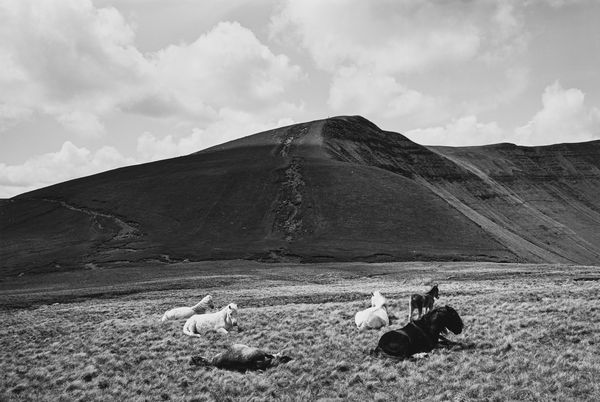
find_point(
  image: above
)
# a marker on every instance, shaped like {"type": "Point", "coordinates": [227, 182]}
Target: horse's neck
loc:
{"type": "Point", "coordinates": [430, 335]}
{"type": "Point", "coordinates": [428, 327]}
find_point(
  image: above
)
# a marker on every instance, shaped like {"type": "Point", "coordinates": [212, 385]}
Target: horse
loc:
{"type": "Point", "coordinates": [423, 303]}
{"type": "Point", "coordinates": [375, 316]}
{"type": "Point", "coordinates": [421, 335]}
{"type": "Point", "coordinates": [241, 358]}
{"type": "Point", "coordinates": [180, 313]}
{"type": "Point", "coordinates": [220, 321]}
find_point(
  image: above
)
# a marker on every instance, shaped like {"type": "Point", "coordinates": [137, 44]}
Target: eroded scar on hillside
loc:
{"type": "Point", "coordinates": [287, 206]}
{"type": "Point", "coordinates": [126, 230]}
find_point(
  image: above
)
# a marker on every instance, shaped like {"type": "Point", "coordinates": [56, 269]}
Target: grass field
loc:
{"type": "Point", "coordinates": [533, 331]}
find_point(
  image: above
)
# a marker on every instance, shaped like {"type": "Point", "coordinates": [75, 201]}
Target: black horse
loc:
{"type": "Point", "coordinates": [422, 302]}
{"type": "Point", "coordinates": [422, 335]}
{"type": "Point", "coordinates": [241, 358]}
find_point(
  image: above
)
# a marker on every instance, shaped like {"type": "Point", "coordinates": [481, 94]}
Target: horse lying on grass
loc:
{"type": "Point", "coordinates": [421, 335]}
{"type": "Point", "coordinates": [241, 358]}
{"type": "Point", "coordinates": [375, 316]}
{"type": "Point", "coordinates": [221, 321]}
{"type": "Point", "coordinates": [180, 313]}
{"type": "Point", "coordinates": [423, 303]}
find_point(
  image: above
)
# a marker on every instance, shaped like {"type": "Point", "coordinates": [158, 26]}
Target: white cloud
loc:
{"type": "Point", "coordinates": [396, 36]}
{"type": "Point", "coordinates": [379, 95]}
{"type": "Point", "coordinates": [79, 64]}
{"type": "Point", "coordinates": [374, 50]}
{"type": "Point", "coordinates": [67, 59]}
{"type": "Point", "coordinates": [564, 117]}
{"type": "Point", "coordinates": [54, 167]}
{"type": "Point", "coordinates": [462, 131]}
{"type": "Point", "coordinates": [81, 122]}
{"type": "Point", "coordinates": [227, 67]}
{"type": "Point", "coordinates": [11, 115]}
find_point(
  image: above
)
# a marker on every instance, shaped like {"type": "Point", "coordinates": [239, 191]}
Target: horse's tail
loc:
{"type": "Point", "coordinates": [199, 361]}
{"type": "Point", "coordinates": [164, 317]}
{"type": "Point", "coordinates": [375, 352]}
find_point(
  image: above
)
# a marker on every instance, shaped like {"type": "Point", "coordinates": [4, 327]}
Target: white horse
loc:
{"type": "Point", "coordinates": [179, 313]}
{"type": "Point", "coordinates": [375, 316]}
{"type": "Point", "coordinates": [221, 321]}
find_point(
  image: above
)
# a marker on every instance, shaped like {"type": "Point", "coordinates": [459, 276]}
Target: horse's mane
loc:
{"type": "Point", "coordinates": [447, 315]}
{"type": "Point", "coordinates": [434, 291]}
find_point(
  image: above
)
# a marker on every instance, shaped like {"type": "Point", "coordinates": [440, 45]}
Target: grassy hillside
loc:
{"type": "Point", "coordinates": [339, 189]}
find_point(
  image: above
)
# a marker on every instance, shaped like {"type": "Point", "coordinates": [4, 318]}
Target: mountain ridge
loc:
{"type": "Point", "coordinates": [332, 189]}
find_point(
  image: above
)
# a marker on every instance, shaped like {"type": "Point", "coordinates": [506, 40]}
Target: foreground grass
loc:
{"type": "Point", "coordinates": [534, 331]}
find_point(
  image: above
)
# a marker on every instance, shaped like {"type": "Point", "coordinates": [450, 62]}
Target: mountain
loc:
{"type": "Point", "coordinates": [339, 189]}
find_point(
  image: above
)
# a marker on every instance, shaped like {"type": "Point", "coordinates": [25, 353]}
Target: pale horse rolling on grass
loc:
{"type": "Point", "coordinates": [179, 313]}
{"type": "Point", "coordinates": [220, 321]}
{"type": "Point", "coordinates": [375, 316]}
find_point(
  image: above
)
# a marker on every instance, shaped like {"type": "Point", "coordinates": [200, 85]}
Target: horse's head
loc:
{"type": "Point", "coordinates": [231, 312]}
{"type": "Point", "coordinates": [208, 302]}
{"type": "Point", "coordinates": [434, 292]}
{"type": "Point", "coordinates": [377, 299]}
{"type": "Point", "coordinates": [449, 319]}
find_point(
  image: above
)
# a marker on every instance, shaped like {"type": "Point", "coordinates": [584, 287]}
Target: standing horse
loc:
{"type": "Point", "coordinates": [179, 313]}
{"type": "Point", "coordinates": [422, 335]}
{"type": "Point", "coordinates": [422, 303]}
{"type": "Point", "coordinates": [375, 316]}
{"type": "Point", "coordinates": [221, 321]}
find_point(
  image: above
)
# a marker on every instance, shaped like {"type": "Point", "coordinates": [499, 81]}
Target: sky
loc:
{"type": "Point", "coordinates": [91, 85]}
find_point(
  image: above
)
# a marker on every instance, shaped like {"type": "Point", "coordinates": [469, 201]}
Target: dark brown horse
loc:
{"type": "Point", "coordinates": [421, 335]}
{"type": "Point", "coordinates": [241, 358]}
{"type": "Point", "coordinates": [422, 302]}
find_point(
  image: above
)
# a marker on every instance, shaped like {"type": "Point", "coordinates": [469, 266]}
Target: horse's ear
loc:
{"type": "Point", "coordinates": [372, 293]}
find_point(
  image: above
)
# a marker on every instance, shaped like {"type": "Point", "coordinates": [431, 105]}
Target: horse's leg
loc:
{"type": "Point", "coordinates": [442, 340]}
{"type": "Point", "coordinates": [190, 333]}
{"type": "Point", "coordinates": [222, 331]}
{"type": "Point", "coordinates": [187, 331]}
{"type": "Point", "coordinates": [410, 310]}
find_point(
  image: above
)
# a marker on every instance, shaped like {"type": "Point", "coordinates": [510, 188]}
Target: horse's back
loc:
{"type": "Point", "coordinates": [394, 343]}
{"type": "Point", "coordinates": [178, 313]}
{"type": "Point", "coordinates": [371, 318]}
{"type": "Point", "coordinates": [360, 317]}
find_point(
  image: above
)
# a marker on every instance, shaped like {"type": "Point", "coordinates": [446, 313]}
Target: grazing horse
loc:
{"type": "Point", "coordinates": [375, 316]}
{"type": "Point", "coordinates": [423, 303]}
{"type": "Point", "coordinates": [241, 358]}
{"type": "Point", "coordinates": [421, 335]}
{"type": "Point", "coordinates": [221, 321]}
{"type": "Point", "coordinates": [179, 313]}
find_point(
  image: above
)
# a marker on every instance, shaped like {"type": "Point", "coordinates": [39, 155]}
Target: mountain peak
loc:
{"type": "Point", "coordinates": [333, 189]}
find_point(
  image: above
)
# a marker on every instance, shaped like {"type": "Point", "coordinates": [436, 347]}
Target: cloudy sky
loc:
{"type": "Point", "coordinates": [90, 85]}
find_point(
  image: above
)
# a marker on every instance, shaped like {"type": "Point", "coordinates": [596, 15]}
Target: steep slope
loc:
{"type": "Point", "coordinates": [548, 195]}
{"type": "Point", "coordinates": [334, 189]}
